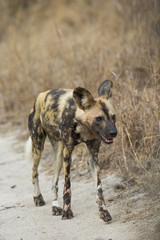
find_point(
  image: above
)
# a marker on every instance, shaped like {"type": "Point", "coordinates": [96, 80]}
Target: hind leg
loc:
{"type": "Point", "coordinates": [38, 136]}
{"type": "Point", "coordinates": [37, 196]}
{"type": "Point", "coordinates": [37, 148]}
{"type": "Point", "coordinates": [58, 162]}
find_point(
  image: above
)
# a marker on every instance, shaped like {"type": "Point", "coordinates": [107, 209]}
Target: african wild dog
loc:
{"type": "Point", "coordinates": [70, 117]}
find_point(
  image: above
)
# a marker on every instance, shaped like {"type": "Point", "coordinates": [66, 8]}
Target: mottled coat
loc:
{"type": "Point", "coordinates": [70, 117]}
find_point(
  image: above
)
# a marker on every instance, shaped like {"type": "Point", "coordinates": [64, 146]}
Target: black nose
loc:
{"type": "Point", "coordinates": [113, 133]}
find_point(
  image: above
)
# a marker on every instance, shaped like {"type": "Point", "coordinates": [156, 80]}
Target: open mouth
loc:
{"type": "Point", "coordinates": [105, 140]}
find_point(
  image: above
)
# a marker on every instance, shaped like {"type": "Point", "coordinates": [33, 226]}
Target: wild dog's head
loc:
{"type": "Point", "coordinates": [97, 114]}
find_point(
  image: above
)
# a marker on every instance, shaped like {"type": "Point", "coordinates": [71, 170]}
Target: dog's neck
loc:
{"type": "Point", "coordinates": [82, 127]}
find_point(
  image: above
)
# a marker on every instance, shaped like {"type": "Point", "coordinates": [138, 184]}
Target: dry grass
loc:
{"type": "Point", "coordinates": [71, 43]}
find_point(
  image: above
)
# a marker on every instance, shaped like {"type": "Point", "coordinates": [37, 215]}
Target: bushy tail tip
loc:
{"type": "Point", "coordinates": [28, 150]}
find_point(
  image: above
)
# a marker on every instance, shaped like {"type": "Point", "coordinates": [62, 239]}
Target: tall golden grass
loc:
{"type": "Point", "coordinates": [81, 43]}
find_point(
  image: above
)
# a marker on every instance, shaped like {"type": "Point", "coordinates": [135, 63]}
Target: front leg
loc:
{"type": "Point", "coordinates": [67, 212]}
{"type": "Point", "coordinates": [103, 213]}
{"type": "Point", "coordinates": [93, 147]}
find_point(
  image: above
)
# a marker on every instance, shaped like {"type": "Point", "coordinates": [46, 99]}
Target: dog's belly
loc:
{"type": "Point", "coordinates": [52, 131]}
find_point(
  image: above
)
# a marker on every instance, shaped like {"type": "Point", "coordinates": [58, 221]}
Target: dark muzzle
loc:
{"type": "Point", "coordinates": [113, 133]}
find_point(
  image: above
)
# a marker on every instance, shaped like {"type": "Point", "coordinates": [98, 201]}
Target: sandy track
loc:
{"type": "Point", "coordinates": [20, 219]}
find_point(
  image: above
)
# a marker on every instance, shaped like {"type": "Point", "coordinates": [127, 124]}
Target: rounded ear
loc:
{"type": "Point", "coordinates": [83, 98]}
{"type": "Point", "coordinates": [105, 89]}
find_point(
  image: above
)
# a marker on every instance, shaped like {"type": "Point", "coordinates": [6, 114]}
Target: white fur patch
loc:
{"type": "Point", "coordinates": [85, 102]}
{"type": "Point", "coordinates": [36, 189]}
{"type": "Point", "coordinates": [28, 149]}
{"type": "Point", "coordinates": [55, 203]}
{"type": "Point", "coordinates": [63, 101]}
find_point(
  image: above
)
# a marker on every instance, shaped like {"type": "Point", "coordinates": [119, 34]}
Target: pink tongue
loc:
{"type": "Point", "coordinates": [107, 140]}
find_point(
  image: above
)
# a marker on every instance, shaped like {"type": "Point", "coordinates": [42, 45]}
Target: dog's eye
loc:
{"type": "Point", "coordinates": [114, 117]}
{"type": "Point", "coordinates": [99, 119]}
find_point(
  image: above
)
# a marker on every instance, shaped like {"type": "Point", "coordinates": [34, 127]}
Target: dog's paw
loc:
{"type": "Point", "coordinates": [56, 211]}
{"type": "Point", "coordinates": [39, 201]}
{"type": "Point", "coordinates": [105, 215]}
{"type": "Point", "coordinates": [67, 214]}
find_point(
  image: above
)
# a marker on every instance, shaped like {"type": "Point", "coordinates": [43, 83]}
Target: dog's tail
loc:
{"type": "Point", "coordinates": [28, 150]}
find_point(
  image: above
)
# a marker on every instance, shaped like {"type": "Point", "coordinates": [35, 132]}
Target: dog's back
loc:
{"type": "Point", "coordinates": [50, 110]}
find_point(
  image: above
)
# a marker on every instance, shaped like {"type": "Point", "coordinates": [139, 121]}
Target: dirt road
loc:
{"type": "Point", "coordinates": [20, 219]}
